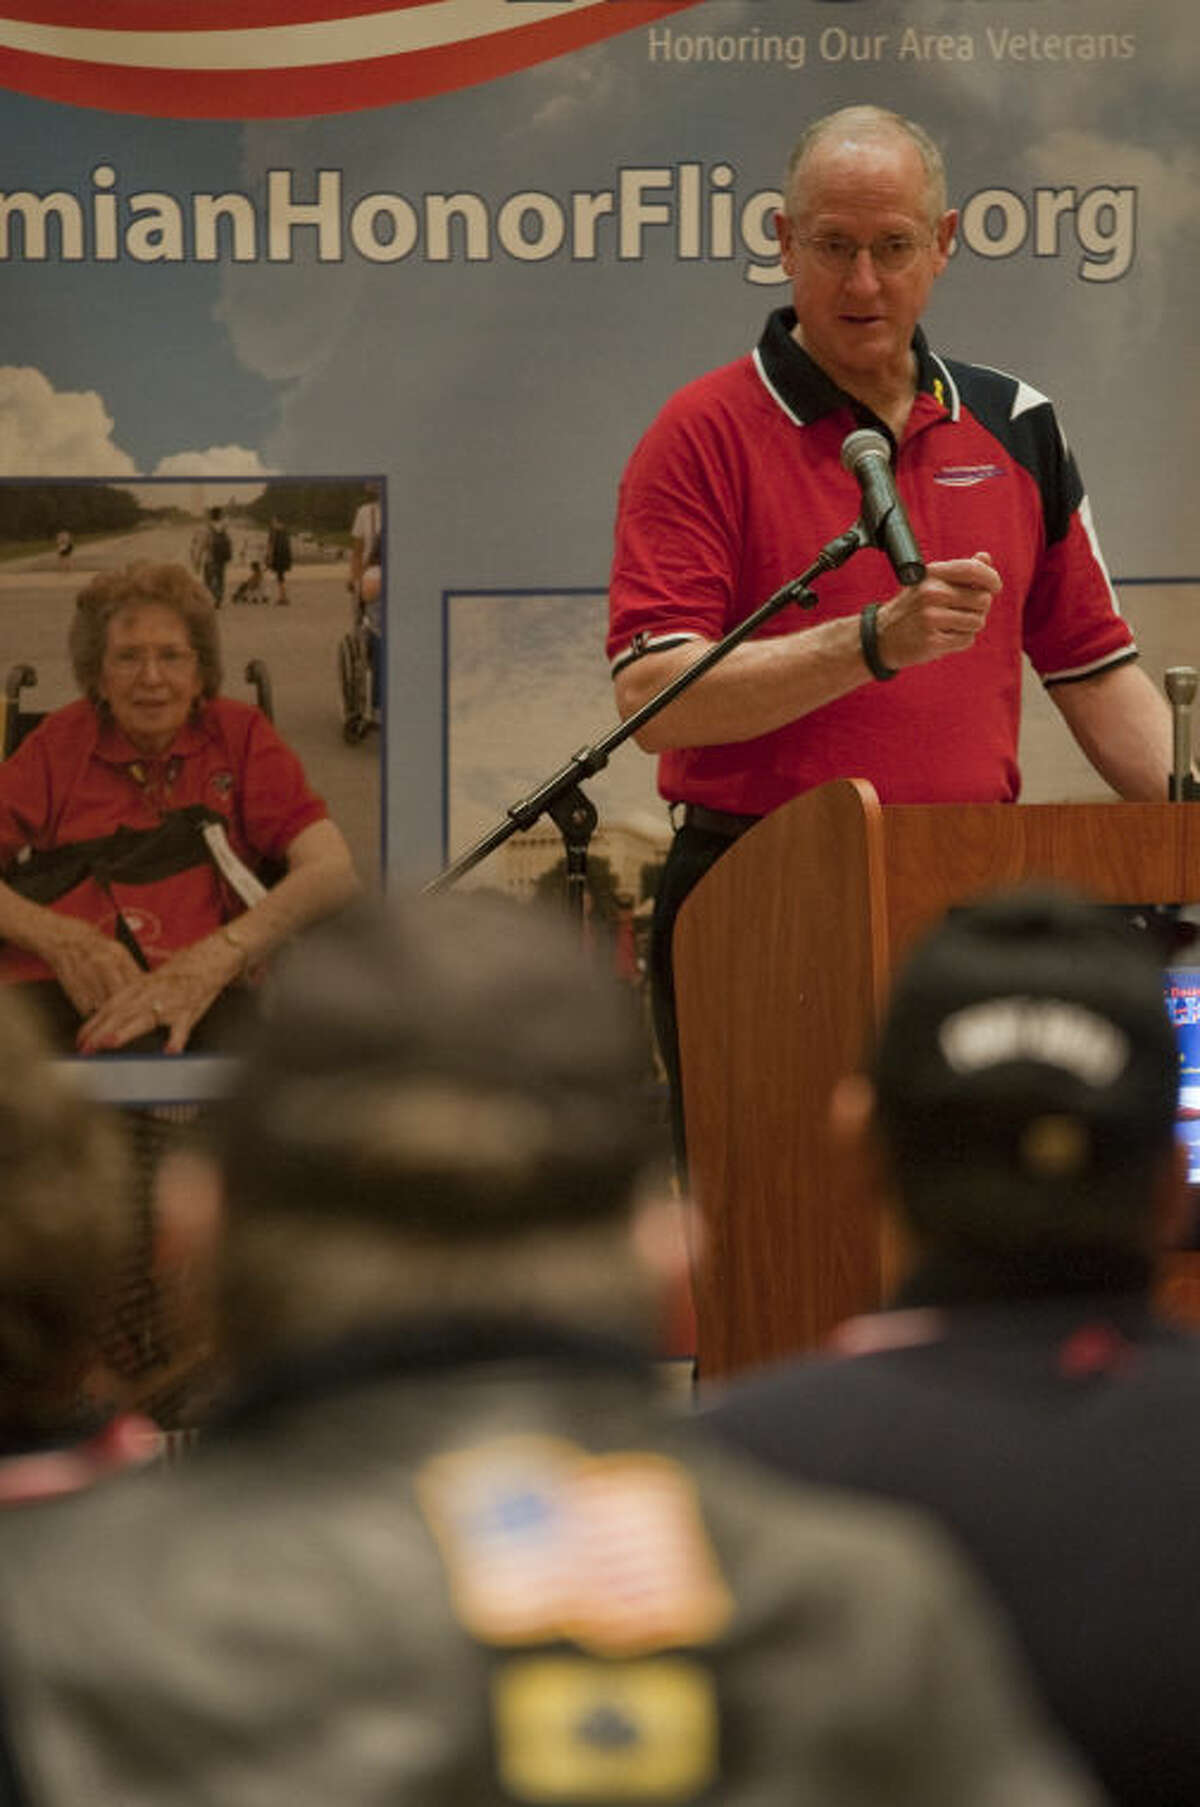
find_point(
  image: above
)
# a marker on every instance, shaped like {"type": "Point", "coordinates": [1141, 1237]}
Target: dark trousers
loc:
{"type": "Point", "coordinates": [691, 854]}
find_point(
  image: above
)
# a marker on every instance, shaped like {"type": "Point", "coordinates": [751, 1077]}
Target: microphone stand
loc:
{"type": "Point", "coordinates": [561, 797]}
{"type": "Point", "coordinates": [1180, 682]}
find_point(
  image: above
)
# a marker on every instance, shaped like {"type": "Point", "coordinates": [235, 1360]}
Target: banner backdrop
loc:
{"type": "Point", "coordinates": [469, 246]}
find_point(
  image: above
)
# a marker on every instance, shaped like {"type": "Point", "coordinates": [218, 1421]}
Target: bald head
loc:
{"type": "Point", "coordinates": [862, 129]}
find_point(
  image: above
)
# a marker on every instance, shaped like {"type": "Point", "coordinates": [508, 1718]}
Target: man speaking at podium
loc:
{"type": "Point", "coordinates": [735, 488]}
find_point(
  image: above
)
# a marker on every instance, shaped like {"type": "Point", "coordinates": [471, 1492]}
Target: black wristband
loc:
{"type": "Point", "coordinates": [868, 635]}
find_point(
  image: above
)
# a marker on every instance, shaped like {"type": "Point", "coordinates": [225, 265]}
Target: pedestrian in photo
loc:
{"type": "Point", "coordinates": [279, 558]}
{"type": "Point", "coordinates": [218, 550]}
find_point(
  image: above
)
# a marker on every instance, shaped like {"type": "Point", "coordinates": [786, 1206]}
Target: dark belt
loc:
{"type": "Point", "coordinates": [717, 821]}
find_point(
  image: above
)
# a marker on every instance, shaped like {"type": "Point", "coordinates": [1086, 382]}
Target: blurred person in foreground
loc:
{"type": "Point", "coordinates": [449, 1545]}
{"type": "Point", "coordinates": [1021, 1115]}
{"type": "Point", "coordinates": [134, 824]}
{"type": "Point", "coordinates": [66, 1234]}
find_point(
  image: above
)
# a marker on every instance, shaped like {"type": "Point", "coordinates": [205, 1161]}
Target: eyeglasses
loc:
{"type": "Point", "coordinates": [134, 658]}
{"type": "Point", "coordinates": [892, 254]}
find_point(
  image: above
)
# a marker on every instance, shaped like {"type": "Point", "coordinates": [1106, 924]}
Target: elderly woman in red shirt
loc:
{"type": "Point", "coordinates": [133, 822]}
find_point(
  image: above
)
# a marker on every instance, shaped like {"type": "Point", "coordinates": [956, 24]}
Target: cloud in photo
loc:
{"type": "Point", "coordinates": [222, 492]}
{"type": "Point", "coordinates": [1169, 176]}
{"type": "Point", "coordinates": [45, 432]}
{"type": "Point", "coordinates": [568, 93]}
{"type": "Point", "coordinates": [1166, 181]}
{"type": "Point", "coordinates": [216, 461]}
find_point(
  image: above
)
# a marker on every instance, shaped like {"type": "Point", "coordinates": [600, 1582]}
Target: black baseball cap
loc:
{"type": "Point", "coordinates": [1027, 1072]}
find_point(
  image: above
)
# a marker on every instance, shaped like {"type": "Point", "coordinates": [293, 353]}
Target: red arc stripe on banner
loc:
{"type": "Point", "coordinates": [202, 15]}
{"type": "Point", "coordinates": [292, 91]}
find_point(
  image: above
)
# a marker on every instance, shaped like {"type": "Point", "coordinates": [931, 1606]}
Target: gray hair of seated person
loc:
{"type": "Point", "coordinates": [65, 1223]}
{"type": "Point", "coordinates": [449, 1080]}
{"type": "Point", "coordinates": [169, 586]}
{"type": "Point", "coordinates": [453, 1066]}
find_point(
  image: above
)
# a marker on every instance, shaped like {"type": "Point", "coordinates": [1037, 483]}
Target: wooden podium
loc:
{"type": "Point", "coordinates": [782, 958]}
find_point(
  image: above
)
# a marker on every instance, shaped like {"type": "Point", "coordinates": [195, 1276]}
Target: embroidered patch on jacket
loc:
{"type": "Point", "coordinates": [221, 783]}
{"type": "Point", "coordinates": [574, 1729]}
{"type": "Point", "coordinates": [966, 476]}
{"type": "Point", "coordinates": [544, 1541]}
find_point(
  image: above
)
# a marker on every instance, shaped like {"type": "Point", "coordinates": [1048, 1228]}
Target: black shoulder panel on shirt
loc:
{"type": "Point", "coordinates": [1031, 436]}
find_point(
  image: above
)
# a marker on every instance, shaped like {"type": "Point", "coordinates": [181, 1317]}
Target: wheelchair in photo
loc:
{"type": "Point", "coordinates": [148, 1336]}
{"type": "Point", "coordinates": [354, 676]}
{"type": "Point", "coordinates": [358, 655]}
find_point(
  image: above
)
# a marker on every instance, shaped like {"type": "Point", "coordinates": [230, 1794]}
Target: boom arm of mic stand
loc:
{"type": "Point", "coordinates": [591, 759]}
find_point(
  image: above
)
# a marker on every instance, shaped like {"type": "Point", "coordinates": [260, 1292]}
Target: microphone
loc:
{"type": "Point", "coordinates": [866, 456]}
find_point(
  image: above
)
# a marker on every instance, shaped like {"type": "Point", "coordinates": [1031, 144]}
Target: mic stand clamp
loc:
{"type": "Point", "coordinates": [575, 816]}
{"type": "Point", "coordinates": [560, 795]}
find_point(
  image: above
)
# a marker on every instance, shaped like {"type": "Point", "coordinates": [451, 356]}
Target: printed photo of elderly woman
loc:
{"type": "Point", "coordinates": [158, 839]}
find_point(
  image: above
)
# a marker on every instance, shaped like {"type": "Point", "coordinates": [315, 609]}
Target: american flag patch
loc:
{"type": "Point", "coordinates": [543, 1541]}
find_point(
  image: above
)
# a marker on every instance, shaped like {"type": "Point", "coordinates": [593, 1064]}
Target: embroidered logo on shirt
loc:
{"type": "Point", "coordinates": [145, 927]}
{"type": "Point", "coordinates": [966, 476]}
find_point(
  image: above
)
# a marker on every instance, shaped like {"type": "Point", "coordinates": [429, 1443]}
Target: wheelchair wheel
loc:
{"type": "Point", "coordinates": [354, 679]}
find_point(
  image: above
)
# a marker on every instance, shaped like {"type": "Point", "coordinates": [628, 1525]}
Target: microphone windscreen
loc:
{"type": "Point", "coordinates": [864, 443]}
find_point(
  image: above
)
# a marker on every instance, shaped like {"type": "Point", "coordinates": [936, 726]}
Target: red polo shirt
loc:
{"type": "Point", "coordinates": [737, 486]}
{"type": "Point", "coordinates": [76, 778]}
